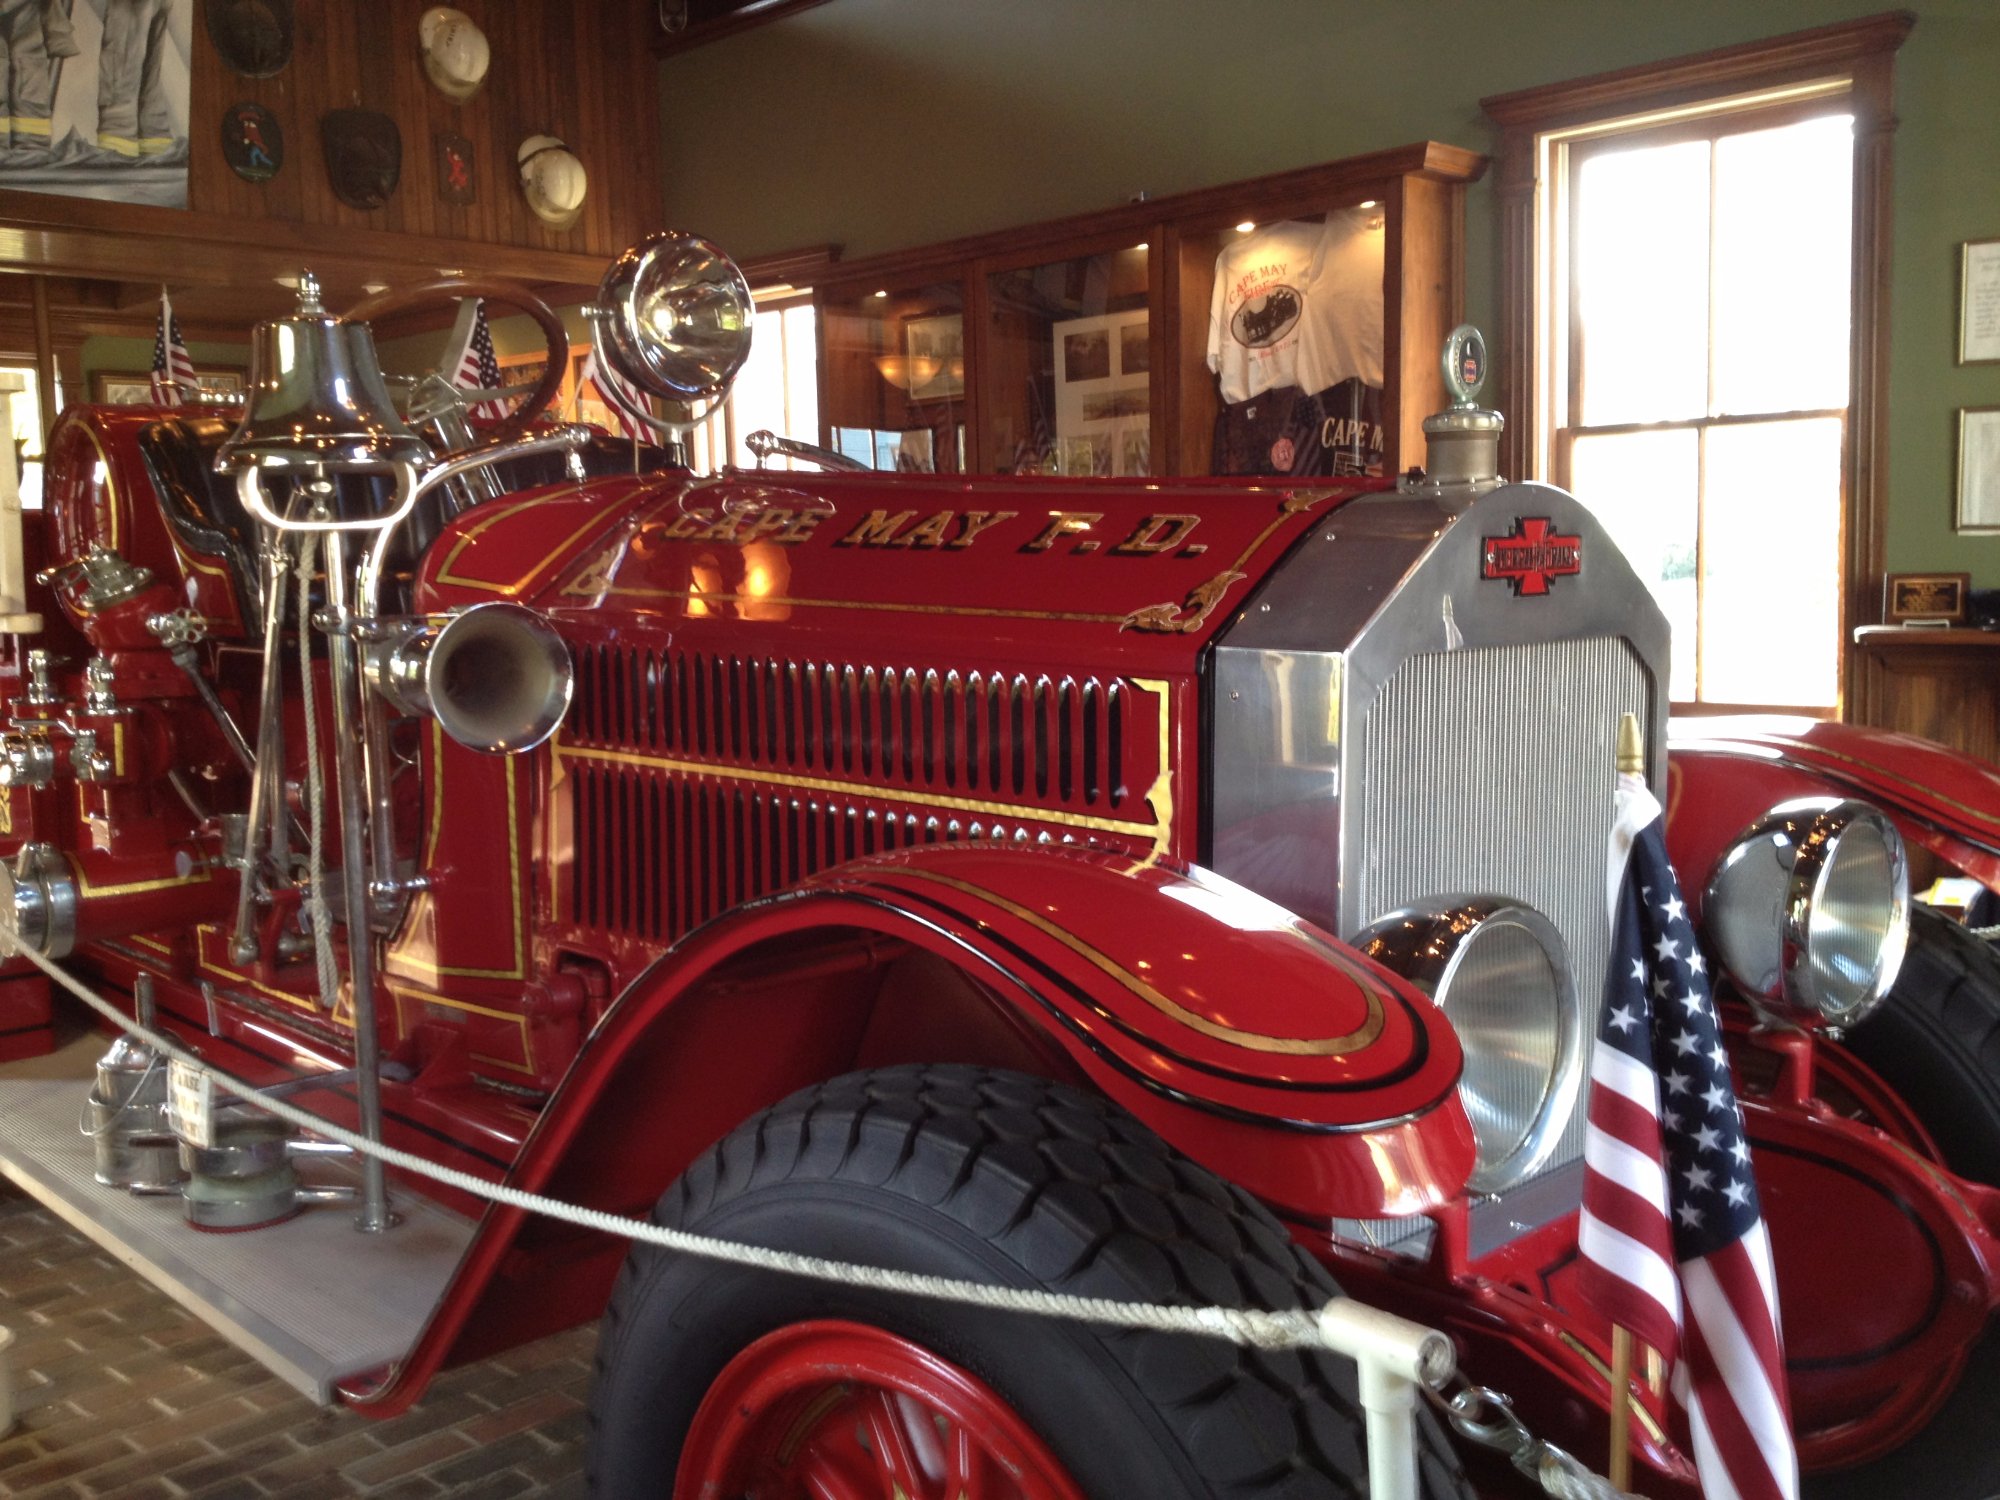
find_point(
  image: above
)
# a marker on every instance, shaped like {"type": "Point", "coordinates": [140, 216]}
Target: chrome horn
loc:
{"type": "Point", "coordinates": [496, 676]}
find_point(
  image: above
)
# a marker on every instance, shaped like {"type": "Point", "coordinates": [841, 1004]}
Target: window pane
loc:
{"type": "Point", "coordinates": [777, 389]}
{"type": "Point", "coordinates": [1644, 487]}
{"type": "Point", "coordinates": [1782, 216]}
{"type": "Point", "coordinates": [1771, 564]}
{"type": "Point", "coordinates": [1641, 268]}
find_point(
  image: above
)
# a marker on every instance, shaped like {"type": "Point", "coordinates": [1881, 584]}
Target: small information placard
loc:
{"type": "Point", "coordinates": [1979, 303]}
{"type": "Point", "coordinates": [191, 1103]}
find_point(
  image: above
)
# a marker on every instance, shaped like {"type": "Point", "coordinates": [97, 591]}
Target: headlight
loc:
{"type": "Point", "coordinates": [673, 316]}
{"type": "Point", "coordinates": [1811, 908]}
{"type": "Point", "coordinates": [1500, 972]}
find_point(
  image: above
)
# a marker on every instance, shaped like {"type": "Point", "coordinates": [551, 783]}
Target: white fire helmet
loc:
{"type": "Point", "coordinates": [552, 179]}
{"type": "Point", "coordinates": [456, 54]}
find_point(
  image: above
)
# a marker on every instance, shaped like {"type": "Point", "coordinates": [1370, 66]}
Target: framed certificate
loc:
{"type": "Point", "coordinates": [1979, 302]}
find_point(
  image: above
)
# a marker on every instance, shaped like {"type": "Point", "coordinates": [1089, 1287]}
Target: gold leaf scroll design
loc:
{"type": "Point", "coordinates": [1186, 617]}
{"type": "Point", "coordinates": [1192, 613]}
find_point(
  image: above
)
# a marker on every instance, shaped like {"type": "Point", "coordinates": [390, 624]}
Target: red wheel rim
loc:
{"type": "Point", "coordinates": [842, 1411]}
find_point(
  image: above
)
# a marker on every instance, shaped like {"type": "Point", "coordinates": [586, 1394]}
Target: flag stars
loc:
{"type": "Point", "coordinates": [1667, 948]}
{"type": "Point", "coordinates": [1623, 1020]}
{"type": "Point", "coordinates": [1662, 987]}
{"type": "Point", "coordinates": [1697, 963]}
{"type": "Point", "coordinates": [1698, 1179]}
{"type": "Point", "coordinates": [1719, 1055]}
{"type": "Point", "coordinates": [1672, 909]}
{"type": "Point", "coordinates": [1686, 1042]}
{"type": "Point", "coordinates": [1738, 1192]}
{"type": "Point", "coordinates": [1708, 1138]}
{"type": "Point", "coordinates": [1689, 1215]}
{"type": "Point", "coordinates": [1677, 1082]}
{"type": "Point", "coordinates": [1740, 1149]}
{"type": "Point", "coordinates": [1716, 1097]}
{"type": "Point", "coordinates": [1639, 968]}
{"type": "Point", "coordinates": [1694, 1002]}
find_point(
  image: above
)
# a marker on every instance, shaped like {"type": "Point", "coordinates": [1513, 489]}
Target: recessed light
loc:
{"type": "Point", "coordinates": [1369, 203]}
{"type": "Point", "coordinates": [1140, 246]}
{"type": "Point", "coordinates": [882, 293]}
{"type": "Point", "coordinates": [1245, 227]}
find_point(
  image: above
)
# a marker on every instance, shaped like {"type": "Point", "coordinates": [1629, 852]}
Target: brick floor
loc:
{"type": "Point", "coordinates": [120, 1395]}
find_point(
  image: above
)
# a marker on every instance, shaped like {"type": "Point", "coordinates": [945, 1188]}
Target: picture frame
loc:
{"type": "Point", "coordinates": [1925, 598]}
{"type": "Point", "coordinates": [135, 387]}
{"type": "Point", "coordinates": [1103, 368]}
{"type": "Point", "coordinates": [1977, 508]}
{"type": "Point", "coordinates": [940, 338]}
{"type": "Point", "coordinates": [1979, 302]}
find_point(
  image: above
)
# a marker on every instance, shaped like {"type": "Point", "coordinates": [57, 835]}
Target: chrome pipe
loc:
{"type": "Point", "coordinates": [265, 828]}
{"type": "Point", "coordinates": [375, 1216]}
{"type": "Point", "coordinates": [764, 442]}
{"type": "Point", "coordinates": [571, 435]}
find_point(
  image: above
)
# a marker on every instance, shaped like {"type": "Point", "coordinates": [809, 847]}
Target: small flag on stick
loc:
{"type": "Point", "coordinates": [1673, 1243]}
{"type": "Point", "coordinates": [173, 367]}
{"type": "Point", "coordinates": [620, 395]}
{"type": "Point", "coordinates": [475, 365]}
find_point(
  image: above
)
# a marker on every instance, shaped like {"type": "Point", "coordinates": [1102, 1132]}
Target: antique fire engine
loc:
{"type": "Point", "coordinates": [1171, 890]}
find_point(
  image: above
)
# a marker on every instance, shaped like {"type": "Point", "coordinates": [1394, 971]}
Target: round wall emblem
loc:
{"type": "Point", "coordinates": [252, 142]}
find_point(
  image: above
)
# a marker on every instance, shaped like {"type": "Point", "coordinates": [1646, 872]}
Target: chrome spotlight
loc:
{"type": "Point", "coordinates": [1810, 908]}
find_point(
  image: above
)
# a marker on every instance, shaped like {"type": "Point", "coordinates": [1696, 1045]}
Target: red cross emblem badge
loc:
{"type": "Point", "coordinates": [1530, 555]}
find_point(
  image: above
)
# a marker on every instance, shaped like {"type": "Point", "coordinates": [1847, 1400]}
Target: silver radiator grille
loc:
{"type": "Point", "coordinates": [1493, 770]}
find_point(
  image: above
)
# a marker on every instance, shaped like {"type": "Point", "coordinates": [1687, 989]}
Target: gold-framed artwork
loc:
{"type": "Point", "coordinates": [1932, 598]}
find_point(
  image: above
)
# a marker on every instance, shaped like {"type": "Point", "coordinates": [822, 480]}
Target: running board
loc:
{"type": "Point", "coordinates": [312, 1299]}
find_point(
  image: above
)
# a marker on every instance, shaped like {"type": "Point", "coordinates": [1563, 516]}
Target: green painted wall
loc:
{"type": "Point", "coordinates": [125, 355]}
{"type": "Point", "coordinates": [883, 123]}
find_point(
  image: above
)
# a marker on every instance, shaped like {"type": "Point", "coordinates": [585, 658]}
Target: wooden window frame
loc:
{"type": "Point", "coordinates": [1861, 54]}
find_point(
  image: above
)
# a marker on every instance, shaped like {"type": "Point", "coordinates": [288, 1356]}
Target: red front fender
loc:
{"type": "Point", "coordinates": [1253, 1042]}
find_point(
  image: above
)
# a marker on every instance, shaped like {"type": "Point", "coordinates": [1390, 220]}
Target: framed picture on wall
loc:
{"type": "Point", "coordinates": [1979, 302]}
{"type": "Point", "coordinates": [1104, 422]}
{"type": "Point", "coordinates": [939, 343]}
{"type": "Point", "coordinates": [1978, 468]}
{"type": "Point", "coordinates": [135, 387]}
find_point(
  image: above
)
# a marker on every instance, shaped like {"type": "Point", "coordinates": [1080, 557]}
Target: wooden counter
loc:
{"type": "Point", "coordinates": [1942, 684]}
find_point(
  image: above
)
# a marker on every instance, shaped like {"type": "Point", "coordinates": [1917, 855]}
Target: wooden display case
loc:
{"type": "Point", "coordinates": [1081, 345]}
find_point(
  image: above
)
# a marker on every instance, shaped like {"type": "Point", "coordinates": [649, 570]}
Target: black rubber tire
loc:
{"type": "Point", "coordinates": [1936, 1041]}
{"type": "Point", "coordinates": [998, 1177]}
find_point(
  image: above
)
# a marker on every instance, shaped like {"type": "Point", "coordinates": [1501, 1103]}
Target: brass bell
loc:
{"type": "Point", "coordinates": [317, 397]}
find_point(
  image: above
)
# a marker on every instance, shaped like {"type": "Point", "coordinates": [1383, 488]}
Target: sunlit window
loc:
{"type": "Point", "coordinates": [1701, 387]}
{"type": "Point", "coordinates": [24, 413]}
{"type": "Point", "coordinates": [777, 389]}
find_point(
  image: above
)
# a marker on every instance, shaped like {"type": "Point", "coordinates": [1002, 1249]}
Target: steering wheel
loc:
{"type": "Point", "coordinates": [508, 294]}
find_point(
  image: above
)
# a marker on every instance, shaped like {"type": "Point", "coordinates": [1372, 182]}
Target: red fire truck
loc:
{"type": "Point", "coordinates": [1171, 891]}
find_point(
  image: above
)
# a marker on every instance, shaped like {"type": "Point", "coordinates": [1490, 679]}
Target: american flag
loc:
{"type": "Point", "coordinates": [477, 367]}
{"type": "Point", "coordinates": [619, 394]}
{"type": "Point", "coordinates": [1673, 1244]}
{"type": "Point", "coordinates": [173, 366]}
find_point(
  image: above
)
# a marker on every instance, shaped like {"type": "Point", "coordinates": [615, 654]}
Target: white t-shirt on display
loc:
{"type": "Point", "coordinates": [1255, 316]}
{"type": "Point", "coordinates": [1342, 334]}
{"type": "Point", "coordinates": [1299, 304]}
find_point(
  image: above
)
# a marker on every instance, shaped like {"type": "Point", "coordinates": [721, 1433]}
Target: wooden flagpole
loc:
{"type": "Point", "coordinates": [1631, 761]}
{"type": "Point", "coordinates": [1619, 1469]}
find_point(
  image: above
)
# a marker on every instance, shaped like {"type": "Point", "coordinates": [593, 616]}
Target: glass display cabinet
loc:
{"type": "Point", "coordinates": [1286, 325]}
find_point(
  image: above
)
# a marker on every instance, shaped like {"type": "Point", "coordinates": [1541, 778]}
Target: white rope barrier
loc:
{"type": "Point", "coordinates": [1425, 1355]}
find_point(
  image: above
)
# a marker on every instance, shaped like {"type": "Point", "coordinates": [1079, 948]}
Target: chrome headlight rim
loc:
{"type": "Point", "coordinates": [1430, 944]}
{"type": "Point", "coordinates": [1790, 959]}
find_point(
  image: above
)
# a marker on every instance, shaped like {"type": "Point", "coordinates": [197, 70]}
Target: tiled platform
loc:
{"type": "Point", "coordinates": [122, 1393]}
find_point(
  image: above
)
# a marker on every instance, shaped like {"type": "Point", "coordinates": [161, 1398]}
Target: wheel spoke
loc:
{"type": "Point", "coordinates": [966, 1469]}
{"type": "Point", "coordinates": [826, 1475]}
{"type": "Point", "coordinates": [895, 1447]}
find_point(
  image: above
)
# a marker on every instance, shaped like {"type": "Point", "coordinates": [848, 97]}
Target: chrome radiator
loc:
{"type": "Point", "coordinates": [1391, 725]}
